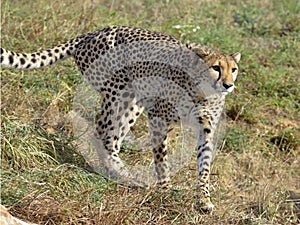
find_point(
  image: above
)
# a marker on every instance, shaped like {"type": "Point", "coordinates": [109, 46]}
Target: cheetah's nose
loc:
{"type": "Point", "coordinates": [227, 86]}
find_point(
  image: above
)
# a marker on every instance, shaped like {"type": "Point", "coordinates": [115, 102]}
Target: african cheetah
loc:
{"type": "Point", "coordinates": [135, 70]}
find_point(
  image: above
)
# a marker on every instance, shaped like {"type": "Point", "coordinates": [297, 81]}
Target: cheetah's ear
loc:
{"type": "Point", "coordinates": [202, 51]}
{"type": "Point", "coordinates": [236, 56]}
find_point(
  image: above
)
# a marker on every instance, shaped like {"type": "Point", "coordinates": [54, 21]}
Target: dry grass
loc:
{"type": "Point", "coordinates": [255, 176]}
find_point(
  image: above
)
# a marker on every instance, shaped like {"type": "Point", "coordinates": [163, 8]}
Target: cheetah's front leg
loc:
{"type": "Point", "coordinates": [204, 159]}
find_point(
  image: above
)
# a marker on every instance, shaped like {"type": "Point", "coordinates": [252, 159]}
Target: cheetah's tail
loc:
{"type": "Point", "coordinates": [15, 60]}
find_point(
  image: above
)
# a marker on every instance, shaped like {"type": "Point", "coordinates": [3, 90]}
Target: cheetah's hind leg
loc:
{"type": "Point", "coordinates": [113, 123]}
{"type": "Point", "coordinates": [159, 137]}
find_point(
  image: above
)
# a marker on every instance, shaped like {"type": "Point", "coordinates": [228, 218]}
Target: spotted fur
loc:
{"type": "Point", "coordinates": [135, 69]}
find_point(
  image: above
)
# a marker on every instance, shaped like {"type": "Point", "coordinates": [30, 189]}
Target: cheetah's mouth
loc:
{"type": "Point", "coordinates": [227, 88]}
{"type": "Point", "coordinates": [225, 92]}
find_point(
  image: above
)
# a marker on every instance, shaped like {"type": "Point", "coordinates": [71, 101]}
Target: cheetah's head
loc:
{"type": "Point", "coordinates": [224, 68]}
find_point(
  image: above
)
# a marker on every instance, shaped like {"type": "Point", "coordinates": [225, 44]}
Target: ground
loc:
{"type": "Point", "coordinates": [255, 176]}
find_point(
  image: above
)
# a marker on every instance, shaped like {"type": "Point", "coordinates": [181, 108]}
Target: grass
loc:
{"type": "Point", "coordinates": [255, 176]}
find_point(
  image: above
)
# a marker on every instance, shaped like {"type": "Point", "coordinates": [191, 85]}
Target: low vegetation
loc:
{"type": "Point", "coordinates": [256, 173]}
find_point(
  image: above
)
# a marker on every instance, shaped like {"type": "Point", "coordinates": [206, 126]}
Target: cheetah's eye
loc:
{"type": "Point", "coordinates": [216, 68]}
{"type": "Point", "coordinates": [233, 70]}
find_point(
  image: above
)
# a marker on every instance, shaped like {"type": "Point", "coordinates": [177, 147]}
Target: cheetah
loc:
{"type": "Point", "coordinates": [134, 70]}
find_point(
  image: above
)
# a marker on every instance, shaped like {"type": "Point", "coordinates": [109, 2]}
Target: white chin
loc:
{"type": "Point", "coordinates": [225, 92]}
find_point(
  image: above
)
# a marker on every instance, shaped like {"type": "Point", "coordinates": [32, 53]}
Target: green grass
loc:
{"type": "Point", "coordinates": [45, 180]}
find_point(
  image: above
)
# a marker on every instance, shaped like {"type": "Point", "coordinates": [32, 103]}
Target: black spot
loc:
{"type": "Point", "coordinates": [95, 49]}
{"type": "Point", "coordinates": [28, 66]}
{"type": "Point", "coordinates": [131, 121]}
{"type": "Point", "coordinates": [56, 50]}
{"type": "Point", "coordinates": [205, 164]}
{"type": "Point", "coordinates": [199, 155]}
{"type": "Point", "coordinates": [201, 184]}
{"type": "Point", "coordinates": [206, 157]}
{"type": "Point", "coordinates": [201, 146]}
{"type": "Point", "coordinates": [22, 61]}
{"type": "Point", "coordinates": [125, 94]}
{"type": "Point", "coordinates": [11, 59]}
{"type": "Point", "coordinates": [33, 60]}
{"type": "Point", "coordinates": [206, 130]}
{"type": "Point", "coordinates": [1, 51]}
{"type": "Point", "coordinates": [200, 120]}
{"type": "Point", "coordinates": [44, 57]}
{"type": "Point", "coordinates": [206, 149]}
{"type": "Point", "coordinates": [1, 59]}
